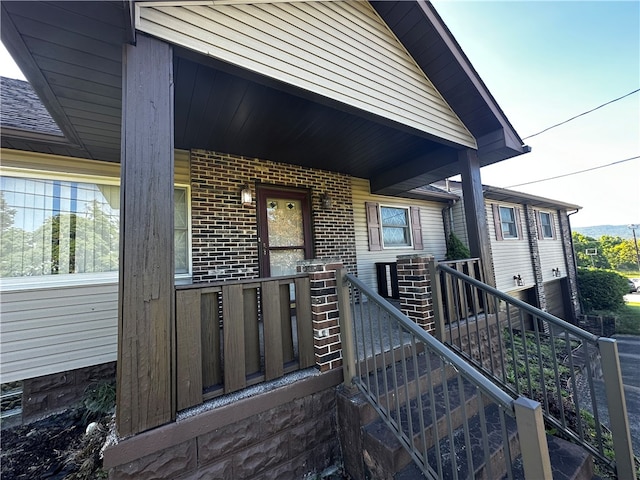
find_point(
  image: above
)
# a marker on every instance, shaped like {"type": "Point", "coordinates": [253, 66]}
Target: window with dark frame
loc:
{"type": "Point", "coordinates": [508, 222]}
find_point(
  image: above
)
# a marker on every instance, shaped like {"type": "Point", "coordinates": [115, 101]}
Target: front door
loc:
{"type": "Point", "coordinates": [285, 230]}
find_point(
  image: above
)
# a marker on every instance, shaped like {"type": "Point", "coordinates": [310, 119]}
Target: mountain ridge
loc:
{"type": "Point", "coordinates": [597, 231]}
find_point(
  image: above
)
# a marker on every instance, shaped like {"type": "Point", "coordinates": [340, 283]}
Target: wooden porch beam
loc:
{"type": "Point", "coordinates": [145, 392]}
{"type": "Point", "coordinates": [475, 213]}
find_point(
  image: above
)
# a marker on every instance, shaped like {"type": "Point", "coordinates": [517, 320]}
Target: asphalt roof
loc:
{"type": "Point", "coordinates": [21, 109]}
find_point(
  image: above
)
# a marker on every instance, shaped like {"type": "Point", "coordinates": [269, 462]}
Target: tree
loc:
{"type": "Point", "coordinates": [582, 243]}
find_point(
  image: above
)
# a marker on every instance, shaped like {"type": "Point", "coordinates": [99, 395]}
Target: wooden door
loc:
{"type": "Point", "coordinates": [285, 230]}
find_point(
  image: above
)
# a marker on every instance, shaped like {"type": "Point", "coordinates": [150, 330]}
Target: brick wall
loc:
{"type": "Point", "coordinates": [414, 286]}
{"type": "Point", "coordinates": [536, 264]}
{"type": "Point", "coordinates": [225, 233]}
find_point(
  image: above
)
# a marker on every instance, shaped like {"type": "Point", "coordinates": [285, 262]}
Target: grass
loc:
{"type": "Point", "coordinates": [628, 319]}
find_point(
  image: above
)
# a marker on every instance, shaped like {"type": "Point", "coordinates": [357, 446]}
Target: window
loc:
{"type": "Point", "coordinates": [396, 231]}
{"type": "Point", "coordinates": [508, 224]}
{"type": "Point", "coordinates": [545, 223]}
{"type": "Point", "coordinates": [62, 226]}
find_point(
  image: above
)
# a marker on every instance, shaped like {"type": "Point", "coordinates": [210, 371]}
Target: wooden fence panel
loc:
{"type": "Point", "coordinates": [233, 329]}
{"type": "Point", "coordinates": [306, 353]}
{"type": "Point", "coordinates": [189, 353]}
{"type": "Point", "coordinates": [272, 324]}
{"type": "Point", "coordinates": [211, 354]}
{"type": "Point", "coordinates": [251, 331]}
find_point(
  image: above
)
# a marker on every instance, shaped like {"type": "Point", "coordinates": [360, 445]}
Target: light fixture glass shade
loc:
{"type": "Point", "coordinates": [245, 196]}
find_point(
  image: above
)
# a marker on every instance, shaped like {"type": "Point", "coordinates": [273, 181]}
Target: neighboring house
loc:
{"type": "Point", "coordinates": [531, 247]}
{"type": "Point", "coordinates": [206, 143]}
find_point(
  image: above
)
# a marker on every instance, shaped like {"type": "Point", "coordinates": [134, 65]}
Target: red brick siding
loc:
{"type": "Point", "coordinates": [224, 232]}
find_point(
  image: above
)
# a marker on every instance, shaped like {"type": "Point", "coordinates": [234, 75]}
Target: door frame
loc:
{"type": "Point", "coordinates": [263, 191]}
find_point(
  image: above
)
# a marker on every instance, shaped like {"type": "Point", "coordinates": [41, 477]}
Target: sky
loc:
{"type": "Point", "coordinates": [545, 62]}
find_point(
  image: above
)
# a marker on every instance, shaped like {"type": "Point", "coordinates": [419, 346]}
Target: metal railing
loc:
{"type": "Point", "coordinates": [531, 353]}
{"type": "Point", "coordinates": [451, 420]}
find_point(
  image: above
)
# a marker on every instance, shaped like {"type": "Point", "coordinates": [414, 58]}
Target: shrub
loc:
{"type": "Point", "coordinates": [601, 289]}
{"type": "Point", "coordinates": [456, 250]}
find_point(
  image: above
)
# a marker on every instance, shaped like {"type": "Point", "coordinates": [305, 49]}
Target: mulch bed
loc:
{"type": "Point", "coordinates": [54, 448]}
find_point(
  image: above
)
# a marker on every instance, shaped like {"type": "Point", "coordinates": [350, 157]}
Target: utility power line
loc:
{"type": "Point", "coordinates": [582, 114]}
{"type": "Point", "coordinates": [575, 173]}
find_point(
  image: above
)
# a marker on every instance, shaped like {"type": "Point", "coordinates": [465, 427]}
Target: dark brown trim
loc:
{"type": "Point", "coordinates": [167, 436]}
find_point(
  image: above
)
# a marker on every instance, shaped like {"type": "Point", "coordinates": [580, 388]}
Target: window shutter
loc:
{"type": "Point", "coordinates": [518, 223]}
{"type": "Point", "coordinates": [553, 225]}
{"type": "Point", "coordinates": [416, 228]}
{"type": "Point", "coordinates": [538, 224]}
{"type": "Point", "coordinates": [496, 221]}
{"type": "Point", "coordinates": [373, 226]}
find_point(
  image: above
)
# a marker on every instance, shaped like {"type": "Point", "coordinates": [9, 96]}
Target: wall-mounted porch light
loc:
{"type": "Point", "coordinates": [555, 272]}
{"type": "Point", "coordinates": [519, 281]}
{"type": "Point", "coordinates": [245, 196]}
{"type": "Point", "coordinates": [325, 200]}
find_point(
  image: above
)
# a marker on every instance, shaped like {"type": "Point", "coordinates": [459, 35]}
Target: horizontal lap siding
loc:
{"type": "Point", "coordinates": [341, 50]}
{"type": "Point", "coordinates": [552, 253]}
{"type": "Point", "coordinates": [44, 331]}
{"type": "Point", "coordinates": [512, 256]}
{"type": "Point", "coordinates": [430, 219]}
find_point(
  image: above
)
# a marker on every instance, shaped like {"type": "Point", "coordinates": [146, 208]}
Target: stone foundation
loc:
{"type": "Point", "coordinates": [49, 394]}
{"type": "Point", "coordinates": [286, 433]}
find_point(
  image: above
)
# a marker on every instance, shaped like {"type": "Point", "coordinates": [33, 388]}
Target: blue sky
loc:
{"type": "Point", "coordinates": [545, 62]}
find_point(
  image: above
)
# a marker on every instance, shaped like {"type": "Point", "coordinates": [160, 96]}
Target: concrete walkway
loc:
{"type": "Point", "coordinates": [629, 352]}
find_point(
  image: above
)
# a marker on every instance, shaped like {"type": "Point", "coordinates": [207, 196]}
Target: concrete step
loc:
{"type": "Point", "coordinates": [383, 445]}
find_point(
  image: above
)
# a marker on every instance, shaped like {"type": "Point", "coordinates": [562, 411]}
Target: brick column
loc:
{"type": "Point", "coordinates": [325, 314]}
{"type": "Point", "coordinates": [414, 286]}
{"type": "Point", "coordinates": [534, 251]}
{"type": "Point", "coordinates": [570, 263]}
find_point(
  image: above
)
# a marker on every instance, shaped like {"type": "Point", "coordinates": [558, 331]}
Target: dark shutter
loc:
{"type": "Point", "coordinates": [518, 223]}
{"type": "Point", "coordinates": [539, 224]}
{"type": "Point", "coordinates": [416, 228]}
{"type": "Point", "coordinates": [373, 226]}
{"type": "Point", "coordinates": [496, 221]}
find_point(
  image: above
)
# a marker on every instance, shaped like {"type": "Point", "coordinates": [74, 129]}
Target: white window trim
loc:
{"type": "Point", "coordinates": [64, 280]}
{"type": "Point", "coordinates": [550, 216]}
{"type": "Point", "coordinates": [515, 223]}
{"type": "Point", "coordinates": [409, 227]}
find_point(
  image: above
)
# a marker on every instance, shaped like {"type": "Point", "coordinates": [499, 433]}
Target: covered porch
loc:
{"type": "Point", "coordinates": [130, 83]}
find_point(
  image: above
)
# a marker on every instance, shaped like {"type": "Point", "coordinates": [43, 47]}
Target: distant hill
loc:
{"type": "Point", "coordinates": [597, 231]}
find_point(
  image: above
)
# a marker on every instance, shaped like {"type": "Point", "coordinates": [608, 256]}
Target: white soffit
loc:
{"type": "Point", "coordinates": [341, 50]}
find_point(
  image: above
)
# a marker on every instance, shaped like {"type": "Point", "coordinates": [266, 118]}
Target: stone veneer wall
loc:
{"type": "Point", "coordinates": [225, 233]}
{"type": "Point", "coordinates": [42, 396]}
{"type": "Point", "coordinates": [532, 229]}
{"type": "Point", "coordinates": [283, 434]}
{"type": "Point", "coordinates": [572, 275]}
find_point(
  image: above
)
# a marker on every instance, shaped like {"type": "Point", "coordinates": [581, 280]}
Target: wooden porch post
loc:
{"type": "Point", "coordinates": [146, 307]}
{"type": "Point", "coordinates": [474, 209]}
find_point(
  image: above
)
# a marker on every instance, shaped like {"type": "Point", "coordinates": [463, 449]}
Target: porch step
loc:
{"type": "Point", "coordinates": [568, 462]}
{"type": "Point", "coordinates": [381, 443]}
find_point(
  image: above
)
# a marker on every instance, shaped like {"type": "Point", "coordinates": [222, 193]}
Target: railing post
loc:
{"type": "Point", "coordinates": [618, 419]}
{"type": "Point", "coordinates": [436, 298]}
{"type": "Point", "coordinates": [533, 441]}
{"type": "Point", "coordinates": [346, 327]}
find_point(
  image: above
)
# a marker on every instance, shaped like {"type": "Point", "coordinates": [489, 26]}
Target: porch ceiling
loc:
{"type": "Point", "coordinates": [71, 52]}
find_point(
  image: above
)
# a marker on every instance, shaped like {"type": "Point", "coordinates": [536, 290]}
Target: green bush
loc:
{"type": "Point", "coordinates": [601, 289]}
{"type": "Point", "coordinates": [456, 250]}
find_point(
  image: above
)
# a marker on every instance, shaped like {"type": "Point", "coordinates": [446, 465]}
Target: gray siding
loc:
{"type": "Point", "coordinates": [430, 219]}
{"type": "Point", "coordinates": [552, 252]}
{"type": "Point", "coordinates": [48, 330]}
{"type": "Point", "coordinates": [341, 50]}
{"type": "Point", "coordinates": [511, 256]}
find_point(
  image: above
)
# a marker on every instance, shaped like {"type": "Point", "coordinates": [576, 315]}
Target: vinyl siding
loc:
{"type": "Point", "coordinates": [511, 256]}
{"type": "Point", "coordinates": [48, 330]}
{"type": "Point", "coordinates": [552, 253]}
{"type": "Point", "coordinates": [430, 220]}
{"type": "Point", "coordinates": [340, 50]}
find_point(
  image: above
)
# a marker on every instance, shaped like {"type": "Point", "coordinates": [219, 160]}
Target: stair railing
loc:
{"type": "Point", "coordinates": [531, 353]}
{"type": "Point", "coordinates": [423, 391]}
